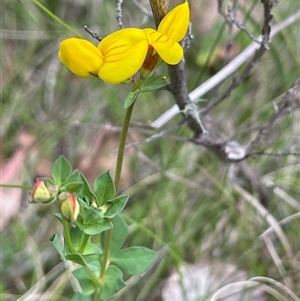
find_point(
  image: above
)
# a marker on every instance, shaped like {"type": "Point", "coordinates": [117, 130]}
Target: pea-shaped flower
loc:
{"type": "Point", "coordinates": [121, 54]}
{"type": "Point", "coordinates": [117, 58]}
{"type": "Point", "coordinates": [164, 41]}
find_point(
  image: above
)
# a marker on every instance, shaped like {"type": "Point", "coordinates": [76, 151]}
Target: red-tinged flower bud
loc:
{"type": "Point", "coordinates": [43, 193]}
{"type": "Point", "coordinates": [69, 206]}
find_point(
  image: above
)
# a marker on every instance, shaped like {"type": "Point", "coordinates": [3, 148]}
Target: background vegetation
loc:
{"type": "Point", "coordinates": [183, 203]}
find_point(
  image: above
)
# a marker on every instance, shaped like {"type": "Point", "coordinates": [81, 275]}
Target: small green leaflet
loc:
{"type": "Point", "coordinates": [130, 99]}
{"type": "Point", "coordinates": [154, 83]}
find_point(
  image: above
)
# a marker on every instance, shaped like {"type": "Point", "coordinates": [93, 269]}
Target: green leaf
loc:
{"type": "Point", "coordinates": [73, 183]}
{"type": "Point", "coordinates": [104, 188]}
{"type": "Point", "coordinates": [115, 206]}
{"type": "Point", "coordinates": [119, 234]}
{"type": "Point", "coordinates": [72, 187]}
{"type": "Point", "coordinates": [95, 228]}
{"type": "Point", "coordinates": [130, 99]}
{"type": "Point", "coordinates": [133, 260]}
{"type": "Point", "coordinates": [112, 282]}
{"type": "Point", "coordinates": [86, 190]}
{"type": "Point", "coordinates": [85, 281]}
{"type": "Point", "coordinates": [49, 181]}
{"type": "Point", "coordinates": [80, 297]}
{"type": "Point", "coordinates": [56, 243]}
{"type": "Point", "coordinates": [77, 237]}
{"type": "Point", "coordinates": [58, 216]}
{"type": "Point", "coordinates": [154, 83]}
{"type": "Point", "coordinates": [61, 169]}
{"type": "Point", "coordinates": [92, 249]}
{"type": "Point", "coordinates": [74, 177]}
{"type": "Point", "coordinates": [78, 258]}
{"type": "Point", "coordinates": [90, 214]}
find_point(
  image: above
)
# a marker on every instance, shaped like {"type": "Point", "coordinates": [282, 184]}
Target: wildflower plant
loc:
{"type": "Point", "coordinates": [93, 227]}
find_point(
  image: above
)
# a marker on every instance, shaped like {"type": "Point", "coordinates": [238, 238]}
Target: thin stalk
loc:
{"type": "Point", "coordinates": [118, 172]}
{"type": "Point", "coordinates": [67, 235]}
{"type": "Point", "coordinates": [16, 186]}
{"type": "Point", "coordinates": [56, 18]}
{"type": "Point", "coordinates": [122, 144]}
{"type": "Point", "coordinates": [69, 244]}
{"type": "Point", "coordinates": [105, 260]}
{"type": "Point", "coordinates": [84, 242]}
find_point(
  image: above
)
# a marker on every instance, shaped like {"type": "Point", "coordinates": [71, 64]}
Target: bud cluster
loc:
{"type": "Point", "coordinates": [44, 193]}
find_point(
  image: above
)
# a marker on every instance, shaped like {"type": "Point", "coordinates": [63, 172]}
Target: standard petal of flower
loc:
{"type": "Point", "coordinates": [176, 22]}
{"type": "Point", "coordinates": [81, 56]}
{"type": "Point", "coordinates": [169, 50]}
{"type": "Point", "coordinates": [124, 52]}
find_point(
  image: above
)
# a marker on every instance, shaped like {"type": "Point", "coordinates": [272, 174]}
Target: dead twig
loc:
{"type": "Point", "coordinates": [119, 13]}
{"type": "Point", "coordinates": [93, 34]}
{"type": "Point", "coordinates": [224, 73]}
{"type": "Point", "coordinates": [290, 101]}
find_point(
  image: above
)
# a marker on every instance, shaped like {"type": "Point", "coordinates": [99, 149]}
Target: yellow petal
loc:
{"type": "Point", "coordinates": [176, 22]}
{"type": "Point", "coordinates": [81, 56]}
{"type": "Point", "coordinates": [124, 52]}
{"type": "Point", "coordinates": [169, 50]}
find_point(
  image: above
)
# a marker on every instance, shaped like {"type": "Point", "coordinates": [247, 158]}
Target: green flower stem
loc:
{"type": "Point", "coordinates": [67, 235]}
{"type": "Point", "coordinates": [84, 242]}
{"type": "Point", "coordinates": [118, 172]}
{"type": "Point", "coordinates": [121, 149]}
{"type": "Point", "coordinates": [69, 244]}
{"type": "Point", "coordinates": [16, 186]}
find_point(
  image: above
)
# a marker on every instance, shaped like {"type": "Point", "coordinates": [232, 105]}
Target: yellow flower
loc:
{"type": "Point", "coordinates": [81, 56]}
{"type": "Point", "coordinates": [124, 52]}
{"type": "Point", "coordinates": [171, 30]}
{"type": "Point", "coordinates": [121, 54]}
{"type": "Point", "coordinates": [118, 56]}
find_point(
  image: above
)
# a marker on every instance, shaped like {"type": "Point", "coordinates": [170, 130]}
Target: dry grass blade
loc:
{"type": "Point", "coordinates": [268, 217]}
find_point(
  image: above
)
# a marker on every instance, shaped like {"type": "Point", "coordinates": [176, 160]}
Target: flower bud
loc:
{"type": "Point", "coordinates": [43, 193]}
{"type": "Point", "coordinates": [69, 206]}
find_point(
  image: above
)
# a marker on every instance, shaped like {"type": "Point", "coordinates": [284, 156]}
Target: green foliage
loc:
{"type": "Point", "coordinates": [87, 285]}
{"type": "Point", "coordinates": [130, 99]}
{"type": "Point", "coordinates": [133, 260]}
{"type": "Point", "coordinates": [97, 210]}
{"type": "Point", "coordinates": [120, 233]}
{"type": "Point", "coordinates": [181, 199]}
{"type": "Point", "coordinates": [57, 245]}
{"type": "Point", "coordinates": [115, 206]}
{"type": "Point", "coordinates": [61, 170]}
{"type": "Point", "coordinates": [80, 297]}
{"type": "Point", "coordinates": [89, 196]}
{"type": "Point", "coordinates": [154, 83]}
{"type": "Point", "coordinates": [112, 283]}
{"type": "Point", "coordinates": [104, 188]}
